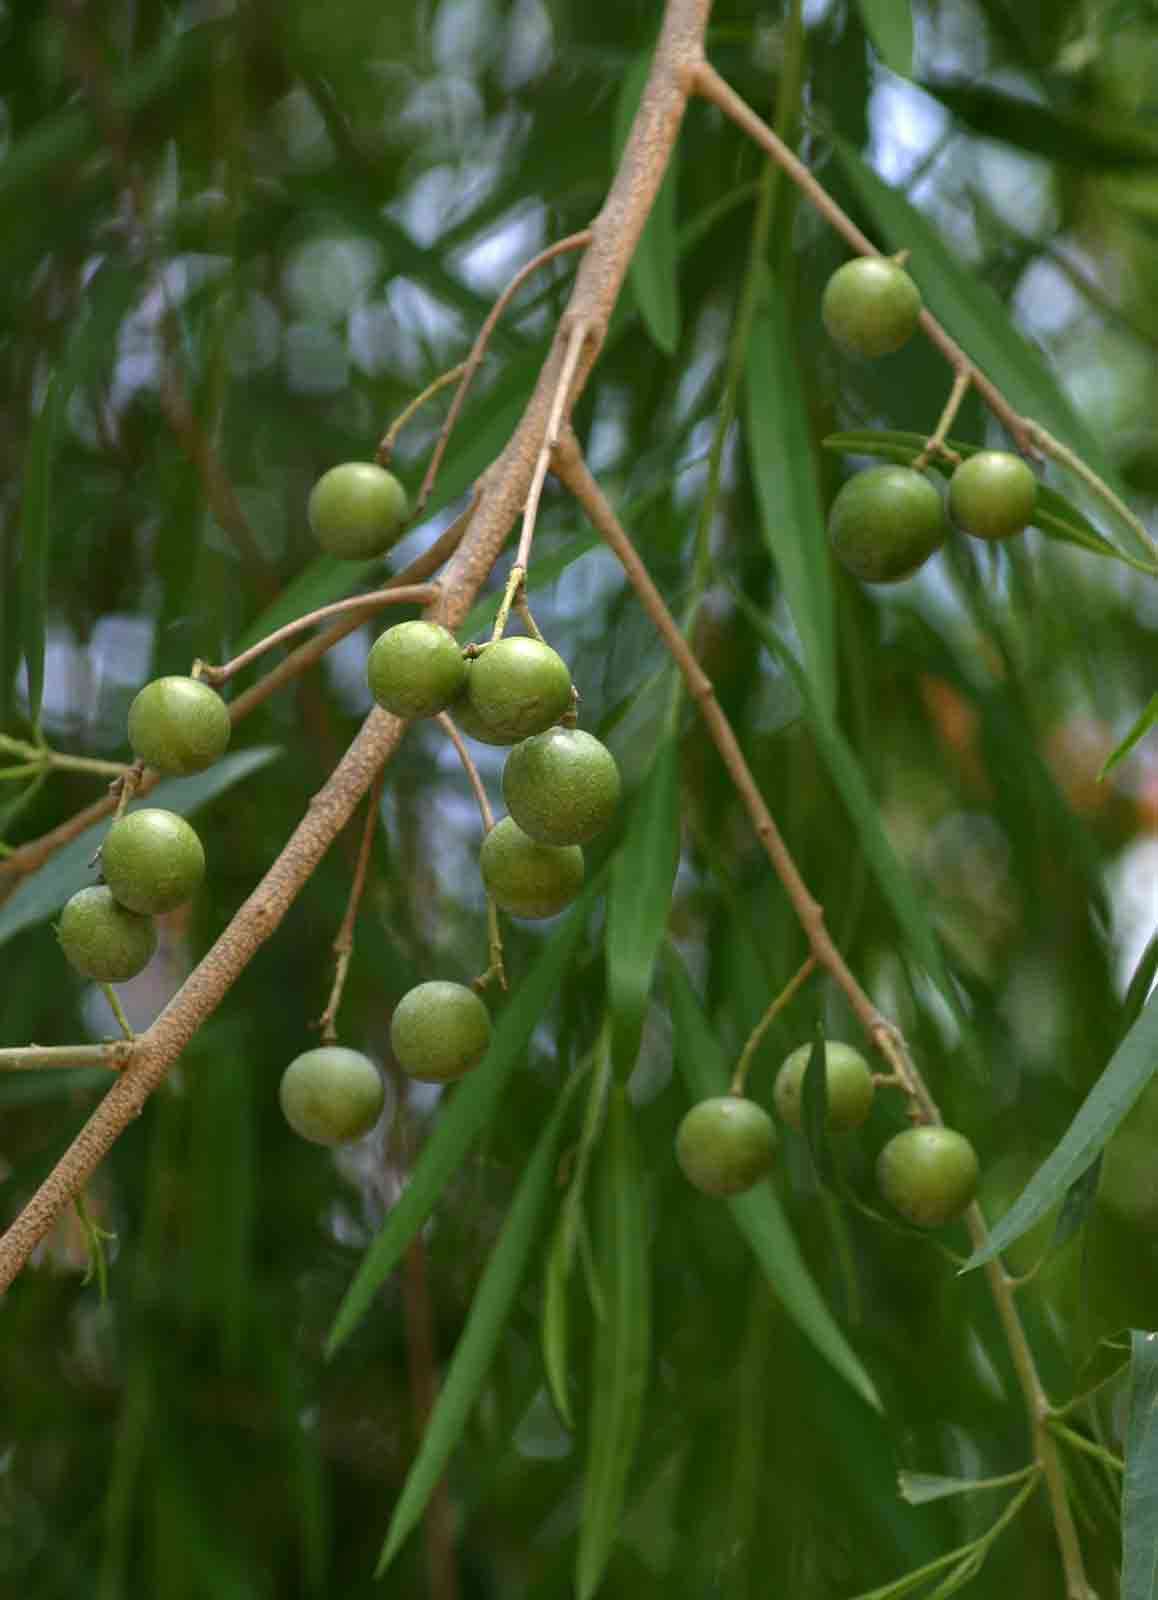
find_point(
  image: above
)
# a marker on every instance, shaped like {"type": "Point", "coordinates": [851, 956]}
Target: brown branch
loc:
{"type": "Point", "coordinates": [502, 492]}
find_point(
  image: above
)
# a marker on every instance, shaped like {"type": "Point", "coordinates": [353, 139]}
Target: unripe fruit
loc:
{"type": "Point", "coordinates": [331, 1095]}
{"type": "Point", "coordinates": [519, 686]}
{"type": "Point", "coordinates": [871, 306]}
{"type": "Point", "coordinates": [928, 1174]}
{"type": "Point", "coordinates": [725, 1144]}
{"type": "Point", "coordinates": [848, 1081]}
{"type": "Point", "coordinates": [561, 786]}
{"type": "Point", "coordinates": [526, 878]}
{"type": "Point", "coordinates": [102, 939]}
{"type": "Point", "coordinates": [992, 495]}
{"type": "Point", "coordinates": [885, 523]}
{"type": "Point", "coordinates": [178, 725]}
{"type": "Point", "coordinates": [415, 669]}
{"type": "Point", "coordinates": [152, 860]}
{"type": "Point", "coordinates": [357, 510]}
{"type": "Point", "coordinates": [468, 721]}
{"type": "Point", "coordinates": [439, 1031]}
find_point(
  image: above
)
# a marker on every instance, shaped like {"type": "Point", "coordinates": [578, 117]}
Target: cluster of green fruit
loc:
{"type": "Point", "coordinates": [151, 860]}
{"type": "Point", "coordinates": [887, 521]}
{"type": "Point", "coordinates": [928, 1174]}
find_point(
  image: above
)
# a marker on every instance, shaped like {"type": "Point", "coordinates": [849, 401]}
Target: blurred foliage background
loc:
{"type": "Point", "coordinates": [238, 239]}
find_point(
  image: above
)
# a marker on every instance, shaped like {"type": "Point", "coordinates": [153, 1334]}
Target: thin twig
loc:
{"type": "Point", "coordinates": [39, 755]}
{"type": "Point", "coordinates": [468, 766]}
{"type": "Point", "coordinates": [343, 946]}
{"type": "Point", "coordinates": [385, 451]}
{"type": "Point", "coordinates": [783, 999]}
{"type": "Point", "coordinates": [34, 1057]}
{"type": "Point", "coordinates": [1048, 445]}
{"type": "Point", "coordinates": [935, 444]}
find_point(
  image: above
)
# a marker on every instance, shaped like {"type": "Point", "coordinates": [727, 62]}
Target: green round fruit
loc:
{"type": "Point", "coordinates": [357, 510]}
{"type": "Point", "coordinates": [885, 523]}
{"type": "Point", "coordinates": [104, 940]}
{"type": "Point", "coordinates": [871, 306]}
{"type": "Point", "coordinates": [561, 786]}
{"type": "Point", "coordinates": [467, 720]}
{"type": "Point", "coordinates": [178, 725]}
{"type": "Point", "coordinates": [928, 1174]}
{"type": "Point", "coordinates": [992, 495]}
{"type": "Point", "coordinates": [526, 878]}
{"type": "Point", "coordinates": [331, 1095]}
{"type": "Point", "coordinates": [152, 860]}
{"type": "Point", "coordinates": [439, 1031]}
{"type": "Point", "coordinates": [416, 669]}
{"type": "Point", "coordinates": [519, 687]}
{"type": "Point", "coordinates": [848, 1080]}
{"type": "Point", "coordinates": [726, 1144]}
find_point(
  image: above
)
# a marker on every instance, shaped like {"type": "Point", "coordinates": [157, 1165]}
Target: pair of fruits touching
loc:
{"type": "Point", "coordinates": [928, 1174]}
{"type": "Point", "coordinates": [151, 860]}
{"type": "Point", "coordinates": [887, 521]}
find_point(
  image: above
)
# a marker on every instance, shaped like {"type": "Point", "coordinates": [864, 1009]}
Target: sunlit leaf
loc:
{"type": "Point", "coordinates": [889, 24]}
{"type": "Point", "coordinates": [1137, 733]}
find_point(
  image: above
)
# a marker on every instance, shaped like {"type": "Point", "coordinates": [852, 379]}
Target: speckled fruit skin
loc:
{"type": "Point", "coordinates": [519, 686]}
{"type": "Point", "coordinates": [152, 860]}
{"type": "Point", "coordinates": [357, 510]}
{"type": "Point", "coordinates": [331, 1095]}
{"type": "Point", "coordinates": [439, 1031]}
{"type": "Point", "coordinates": [102, 939]}
{"type": "Point", "coordinates": [870, 307]}
{"type": "Point", "coordinates": [725, 1144]}
{"type": "Point", "coordinates": [415, 669]}
{"type": "Point", "coordinates": [561, 786]}
{"type": "Point", "coordinates": [178, 725]}
{"type": "Point", "coordinates": [885, 523]}
{"type": "Point", "coordinates": [928, 1174]}
{"type": "Point", "coordinates": [992, 495]}
{"type": "Point", "coordinates": [467, 720]}
{"type": "Point", "coordinates": [847, 1078]}
{"type": "Point", "coordinates": [526, 878]}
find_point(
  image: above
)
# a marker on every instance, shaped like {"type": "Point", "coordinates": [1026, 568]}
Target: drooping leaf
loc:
{"type": "Point", "coordinates": [757, 1213]}
{"type": "Point", "coordinates": [68, 870]}
{"type": "Point", "coordinates": [1137, 733]}
{"type": "Point", "coordinates": [1140, 1488]}
{"type": "Point", "coordinates": [889, 24]}
{"type": "Point", "coordinates": [490, 1308]}
{"type": "Point", "coordinates": [642, 875]}
{"type": "Point", "coordinates": [655, 264]}
{"type": "Point", "coordinates": [462, 1120]}
{"type": "Point", "coordinates": [784, 474]}
{"type": "Point", "coordinates": [622, 1345]}
{"type": "Point", "coordinates": [1130, 1069]}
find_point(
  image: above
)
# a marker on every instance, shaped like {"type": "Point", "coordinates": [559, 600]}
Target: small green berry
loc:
{"type": "Point", "coordinates": [152, 860]}
{"type": "Point", "coordinates": [178, 726]}
{"type": "Point", "coordinates": [928, 1174]}
{"type": "Point", "coordinates": [102, 939]}
{"type": "Point", "coordinates": [331, 1095]}
{"type": "Point", "coordinates": [416, 669]}
{"type": "Point", "coordinates": [439, 1031]}
{"type": "Point", "coordinates": [357, 510]}
{"type": "Point", "coordinates": [561, 786]}
{"type": "Point", "coordinates": [871, 306]}
{"type": "Point", "coordinates": [885, 523]}
{"type": "Point", "coordinates": [519, 686]}
{"type": "Point", "coordinates": [725, 1144]}
{"type": "Point", "coordinates": [526, 878]}
{"type": "Point", "coordinates": [467, 720]}
{"type": "Point", "coordinates": [992, 495]}
{"type": "Point", "coordinates": [848, 1081]}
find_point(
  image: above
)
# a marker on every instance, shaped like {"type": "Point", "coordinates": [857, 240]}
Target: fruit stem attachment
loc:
{"type": "Point", "coordinates": [935, 444]}
{"type": "Point", "coordinates": [496, 971]}
{"type": "Point", "coordinates": [1047, 445]}
{"type": "Point", "coordinates": [786, 995]}
{"type": "Point", "coordinates": [385, 451]}
{"type": "Point", "coordinates": [343, 945]}
{"type": "Point", "coordinates": [515, 580]}
{"type": "Point", "coordinates": [36, 757]}
{"type": "Point", "coordinates": [414, 594]}
{"type": "Point", "coordinates": [576, 338]}
{"type": "Point", "coordinates": [117, 1010]}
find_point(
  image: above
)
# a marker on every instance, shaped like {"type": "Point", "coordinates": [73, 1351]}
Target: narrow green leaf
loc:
{"type": "Point", "coordinates": [787, 493]}
{"type": "Point", "coordinates": [918, 1488]}
{"type": "Point", "coordinates": [1140, 1488]}
{"type": "Point", "coordinates": [642, 875]}
{"type": "Point", "coordinates": [1138, 732]}
{"type": "Point", "coordinates": [1077, 1207]}
{"type": "Point", "coordinates": [1141, 983]}
{"type": "Point", "coordinates": [622, 1346]}
{"type": "Point", "coordinates": [39, 896]}
{"type": "Point", "coordinates": [757, 1213]}
{"type": "Point", "coordinates": [654, 266]}
{"type": "Point", "coordinates": [1100, 143]}
{"type": "Point", "coordinates": [1129, 1071]}
{"type": "Point", "coordinates": [979, 322]}
{"type": "Point", "coordinates": [889, 24]}
{"type": "Point", "coordinates": [461, 1120]}
{"type": "Point", "coordinates": [36, 527]}
{"type": "Point", "coordinates": [489, 1311]}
